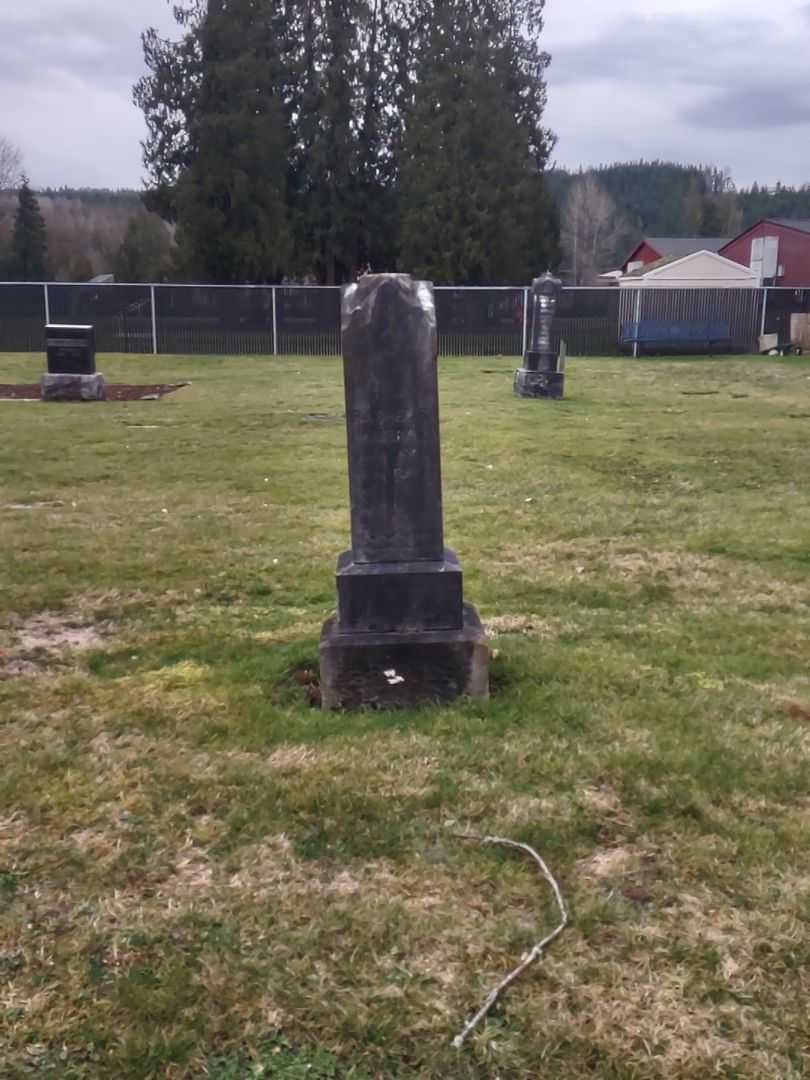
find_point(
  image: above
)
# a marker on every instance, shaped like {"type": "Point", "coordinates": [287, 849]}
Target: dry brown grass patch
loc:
{"type": "Point", "coordinates": [524, 809]}
{"type": "Point", "coordinates": [297, 631]}
{"type": "Point", "coordinates": [611, 864]}
{"type": "Point", "coordinates": [653, 1014]}
{"type": "Point", "coordinates": [696, 580]}
{"type": "Point", "coordinates": [292, 758]}
{"type": "Point", "coordinates": [532, 626]}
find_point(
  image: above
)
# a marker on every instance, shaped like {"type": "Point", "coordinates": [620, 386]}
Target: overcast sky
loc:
{"type": "Point", "coordinates": [726, 82]}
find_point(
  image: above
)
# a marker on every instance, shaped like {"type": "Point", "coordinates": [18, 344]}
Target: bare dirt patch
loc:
{"type": "Point", "coordinates": [49, 633]}
{"type": "Point", "coordinates": [40, 641]}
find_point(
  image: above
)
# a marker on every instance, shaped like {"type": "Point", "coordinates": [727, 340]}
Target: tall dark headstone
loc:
{"type": "Point", "coordinates": [72, 374]}
{"type": "Point", "coordinates": [542, 374]}
{"type": "Point", "coordinates": [402, 635]}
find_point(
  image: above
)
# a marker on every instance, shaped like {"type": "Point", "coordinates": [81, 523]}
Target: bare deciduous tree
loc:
{"type": "Point", "coordinates": [10, 164]}
{"type": "Point", "coordinates": [83, 235]}
{"type": "Point", "coordinates": [591, 230]}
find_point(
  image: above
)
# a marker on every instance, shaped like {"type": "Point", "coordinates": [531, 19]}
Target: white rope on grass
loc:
{"type": "Point", "coordinates": [539, 948]}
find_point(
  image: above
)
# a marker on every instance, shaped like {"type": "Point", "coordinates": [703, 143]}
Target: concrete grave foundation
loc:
{"type": "Point", "coordinates": [72, 387]}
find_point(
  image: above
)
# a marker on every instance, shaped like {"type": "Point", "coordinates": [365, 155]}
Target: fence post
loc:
{"type": "Point", "coordinates": [275, 324]}
{"type": "Point", "coordinates": [525, 320]}
{"type": "Point", "coordinates": [47, 302]}
{"type": "Point", "coordinates": [764, 315]}
{"type": "Point", "coordinates": [637, 320]}
{"type": "Point", "coordinates": [154, 320]}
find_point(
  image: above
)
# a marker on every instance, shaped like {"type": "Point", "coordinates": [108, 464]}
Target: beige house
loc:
{"type": "Point", "coordinates": [700, 270]}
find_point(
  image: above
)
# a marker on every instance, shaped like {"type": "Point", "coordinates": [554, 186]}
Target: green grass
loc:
{"type": "Point", "coordinates": [202, 876]}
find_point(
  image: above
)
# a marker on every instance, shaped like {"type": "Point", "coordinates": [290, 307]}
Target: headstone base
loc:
{"type": "Point", "coordinates": [387, 597]}
{"type": "Point", "coordinates": [72, 387]}
{"type": "Point", "coordinates": [403, 670]}
{"type": "Point", "coordinates": [539, 384]}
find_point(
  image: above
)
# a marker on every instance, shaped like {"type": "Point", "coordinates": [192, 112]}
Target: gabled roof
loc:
{"type": "Point", "coordinates": [684, 245]}
{"type": "Point", "coordinates": [653, 269]}
{"type": "Point", "coordinates": [640, 271]}
{"type": "Point", "coordinates": [678, 246]}
{"type": "Point", "coordinates": [802, 224]}
{"type": "Point", "coordinates": [799, 224]}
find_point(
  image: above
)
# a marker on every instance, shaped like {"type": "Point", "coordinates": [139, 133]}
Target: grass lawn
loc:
{"type": "Point", "coordinates": [203, 876]}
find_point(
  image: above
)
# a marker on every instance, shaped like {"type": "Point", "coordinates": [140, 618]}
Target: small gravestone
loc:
{"type": "Point", "coordinates": [72, 374]}
{"type": "Point", "coordinates": [543, 371]}
{"type": "Point", "coordinates": [403, 635]}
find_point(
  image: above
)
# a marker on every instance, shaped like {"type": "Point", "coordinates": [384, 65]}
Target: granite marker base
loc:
{"type": "Point", "coordinates": [403, 670]}
{"type": "Point", "coordinates": [72, 387]}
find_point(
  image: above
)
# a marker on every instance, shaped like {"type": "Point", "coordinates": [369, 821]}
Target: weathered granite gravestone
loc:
{"type": "Point", "coordinates": [72, 372]}
{"type": "Point", "coordinates": [402, 635]}
{"type": "Point", "coordinates": [542, 374]}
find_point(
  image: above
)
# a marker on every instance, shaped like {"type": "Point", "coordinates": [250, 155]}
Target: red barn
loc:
{"type": "Point", "coordinates": [777, 248]}
{"type": "Point", "coordinates": [652, 248]}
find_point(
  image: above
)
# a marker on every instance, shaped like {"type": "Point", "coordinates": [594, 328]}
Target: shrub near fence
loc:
{"type": "Point", "coordinates": [305, 320]}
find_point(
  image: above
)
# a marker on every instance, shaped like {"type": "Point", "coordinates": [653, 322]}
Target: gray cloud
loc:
{"type": "Point", "coordinates": [693, 80]}
{"type": "Point", "coordinates": [769, 107]}
{"type": "Point", "coordinates": [707, 84]}
{"type": "Point", "coordinates": [66, 74]}
{"type": "Point", "coordinates": [666, 51]}
{"type": "Point", "coordinates": [84, 39]}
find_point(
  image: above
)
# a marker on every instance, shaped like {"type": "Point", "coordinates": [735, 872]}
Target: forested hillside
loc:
{"type": "Point", "coordinates": [606, 210]}
{"type": "Point", "coordinates": [652, 196]}
{"type": "Point", "coordinates": [662, 198]}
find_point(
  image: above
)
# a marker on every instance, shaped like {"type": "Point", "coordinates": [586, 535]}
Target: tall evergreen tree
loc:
{"type": "Point", "coordinates": [29, 242]}
{"type": "Point", "coordinates": [144, 254]}
{"type": "Point", "coordinates": [325, 162]}
{"type": "Point", "coordinates": [285, 135]}
{"type": "Point", "coordinates": [472, 198]}
{"type": "Point", "coordinates": [168, 97]}
{"type": "Point", "coordinates": [231, 197]}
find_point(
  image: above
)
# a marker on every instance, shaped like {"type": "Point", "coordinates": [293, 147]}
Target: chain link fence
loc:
{"type": "Point", "coordinates": [305, 320]}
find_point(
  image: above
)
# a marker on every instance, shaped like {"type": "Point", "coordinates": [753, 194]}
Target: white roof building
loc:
{"type": "Point", "coordinates": [700, 270]}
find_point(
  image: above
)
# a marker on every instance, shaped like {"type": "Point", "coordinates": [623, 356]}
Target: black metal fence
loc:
{"type": "Point", "coordinates": [22, 310]}
{"type": "Point", "coordinates": [782, 303]}
{"type": "Point", "coordinates": [305, 320]}
{"type": "Point", "coordinates": [740, 311]}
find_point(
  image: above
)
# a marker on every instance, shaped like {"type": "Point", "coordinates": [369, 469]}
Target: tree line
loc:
{"type": "Point", "coordinates": [308, 139]}
{"type": "Point", "coordinates": [72, 235]}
